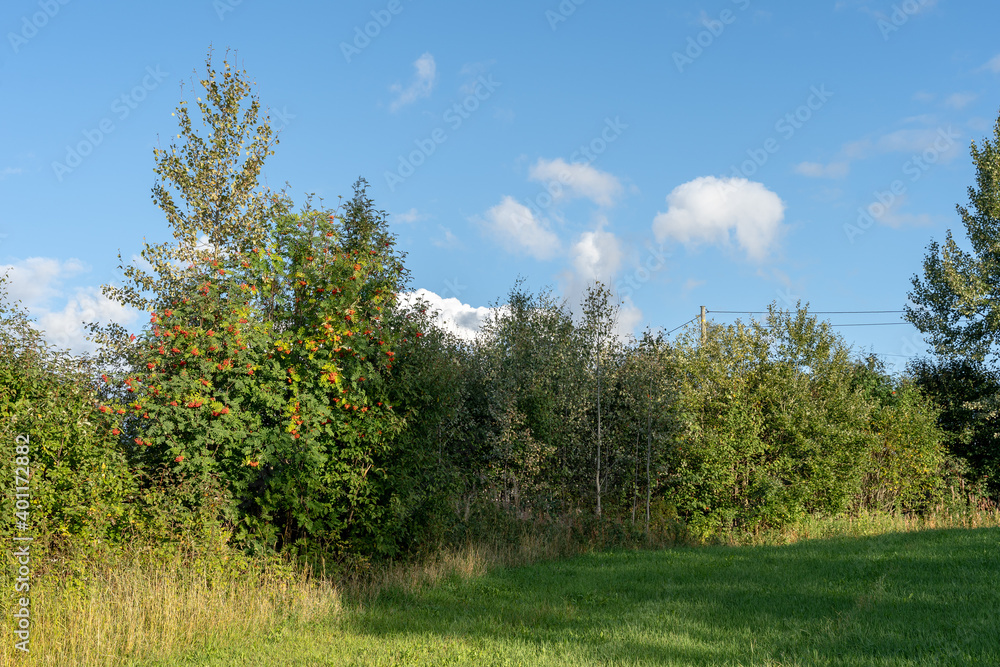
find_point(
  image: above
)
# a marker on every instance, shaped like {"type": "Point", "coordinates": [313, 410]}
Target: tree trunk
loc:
{"type": "Point", "coordinates": [598, 477]}
{"type": "Point", "coordinates": [649, 450]}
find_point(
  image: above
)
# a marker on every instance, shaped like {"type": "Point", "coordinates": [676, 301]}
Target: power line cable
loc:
{"type": "Point", "coordinates": [870, 324]}
{"type": "Point", "coordinates": [683, 325]}
{"type": "Point", "coordinates": [811, 312]}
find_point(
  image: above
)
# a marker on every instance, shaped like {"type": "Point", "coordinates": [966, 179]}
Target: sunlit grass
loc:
{"type": "Point", "coordinates": [865, 591]}
{"type": "Point", "coordinates": [929, 597]}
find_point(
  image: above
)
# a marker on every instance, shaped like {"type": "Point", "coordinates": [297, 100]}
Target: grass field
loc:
{"type": "Point", "coordinates": [916, 598]}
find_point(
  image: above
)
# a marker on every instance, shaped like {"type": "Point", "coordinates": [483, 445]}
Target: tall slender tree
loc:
{"type": "Point", "coordinates": [600, 319]}
{"type": "Point", "coordinates": [957, 302]}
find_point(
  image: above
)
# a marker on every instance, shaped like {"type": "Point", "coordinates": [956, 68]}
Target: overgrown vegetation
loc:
{"type": "Point", "coordinates": [286, 408]}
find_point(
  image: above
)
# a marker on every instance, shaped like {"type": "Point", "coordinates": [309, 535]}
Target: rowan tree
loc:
{"type": "Point", "coordinates": [263, 368]}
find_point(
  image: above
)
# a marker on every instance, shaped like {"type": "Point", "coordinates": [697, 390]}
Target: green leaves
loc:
{"type": "Point", "coordinates": [955, 302]}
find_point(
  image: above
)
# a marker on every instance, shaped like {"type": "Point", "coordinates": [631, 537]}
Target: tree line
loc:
{"type": "Point", "coordinates": [283, 398]}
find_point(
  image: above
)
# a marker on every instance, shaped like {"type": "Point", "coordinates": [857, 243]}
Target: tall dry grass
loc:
{"type": "Point", "coordinates": [130, 609]}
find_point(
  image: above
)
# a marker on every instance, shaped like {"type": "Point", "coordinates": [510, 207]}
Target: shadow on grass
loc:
{"type": "Point", "coordinates": [929, 597]}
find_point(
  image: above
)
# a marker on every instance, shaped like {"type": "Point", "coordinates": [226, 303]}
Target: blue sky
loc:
{"type": "Point", "coordinates": [720, 153]}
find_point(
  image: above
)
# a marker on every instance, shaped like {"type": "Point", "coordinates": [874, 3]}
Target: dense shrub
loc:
{"type": "Point", "coordinates": [967, 393]}
{"type": "Point", "coordinates": [80, 483]}
{"type": "Point", "coordinates": [776, 423]}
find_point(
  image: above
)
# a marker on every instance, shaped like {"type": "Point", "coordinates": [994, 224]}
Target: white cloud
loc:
{"type": "Point", "coordinates": [599, 256]}
{"type": "Point", "coordinates": [960, 100]}
{"type": "Point", "coordinates": [421, 86]}
{"type": "Point", "coordinates": [894, 218]}
{"type": "Point", "coordinates": [817, 170]}
{"type": "Point", "coordinates": [596, 256]}
{"type": "Point", "coordinates": [713, 210]}
{"type": "Point", "coordinates": [413, 215]}
{"type": "Point", "coordinates": [517, 229]}
{"type": "Point", "coordinates": [65, 328]}
{"type": "Point", "coordinates": [691, 284]}
{"type": "Point", "coordinates": [980, 124]}
{"type": "Point", "coordinates": [909, 140]}
{"type": "Point", "coordinates": [448, 239]}
{"type": "Point", "coordinates": [914, 141]}
{"type": "Point", "coordinates": [38, 281]}
{"type": "Point", "coordinates": [923, 96]}
{"type": "Point", "coordinates": [856, 150]}
{"type": "Point", "coordinates": [576, 180]}
{"type": "Point", "coordinates": [993, 64]}
{"type": "Point", "coordinates": [9, 171]}
{"type": "Point", "coordinates": [459, 318]}
{"type": "Point", "coordinates": [629, 319]}
{"type": "Point", "coordinates": [921, 119]}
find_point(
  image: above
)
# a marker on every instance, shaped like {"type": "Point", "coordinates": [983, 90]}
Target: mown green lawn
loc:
{"type": "Point", "coordinates": [921, 598]}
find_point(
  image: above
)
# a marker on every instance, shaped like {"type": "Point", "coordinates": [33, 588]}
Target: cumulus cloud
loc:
{"type": "Point", "coordinates": [413, 215]}
{"type": "Point", "coordinates": [515, 226]}
{"type": "Point", "coordinates": [65, 328]}
{"type": "Point", "coordinates": [895, 218]}
{"type": "Point", "coordinates": [578, 179]}
{"type": "Point", "coordinates": [447, 239]}
{"type": "Point", "coordinates": [421, 86]}
{"type": "Point", "coordinates": [717, 210]}
{"type": "Point", "coordinates": [38, 282]}
{"type": "Point", "coordinates": [597, 255]}
{"type": "Point", "coordinates": [910, 140]}
{"type": "Point", "coordinates": [459, 318]}
{"type": "Point", "coordinates": [818, 170]}
{"type": "Point", "coordinates": [691, 284]}
{"type": "Point", "coordinates": [960, 100]}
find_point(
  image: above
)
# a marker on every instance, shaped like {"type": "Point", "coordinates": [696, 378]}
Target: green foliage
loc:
{"type": "Point", "coordinates": [955, 302]}
{"type": "Point", "coordinates": [271, 375]}
{"type": "Point", "coordinates": [966, 392]}
{"type": "Point", "coordinates": [430, 457]}
{"type": "Point", "coordinates": [532, 392]}
{"type": "Point", "coordinates": [285, 397]}
{"type": "Point", "coordinates": [907, 455]}
{"type": "Point", "coordinates": [777, 422]}
{"type": "Point", "coordinates": [264, 371]}
{"type": "Point", "coordinates": [80, 484]}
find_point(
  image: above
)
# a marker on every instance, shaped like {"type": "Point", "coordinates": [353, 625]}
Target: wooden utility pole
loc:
{"type": "Point", "coordinates": [704, 326]}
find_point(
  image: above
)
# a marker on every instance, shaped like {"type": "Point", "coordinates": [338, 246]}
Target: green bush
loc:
{"type": "Point", "coordinates": [778, 422]}
{"type": "Point", "coordinates": [80, 485]}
